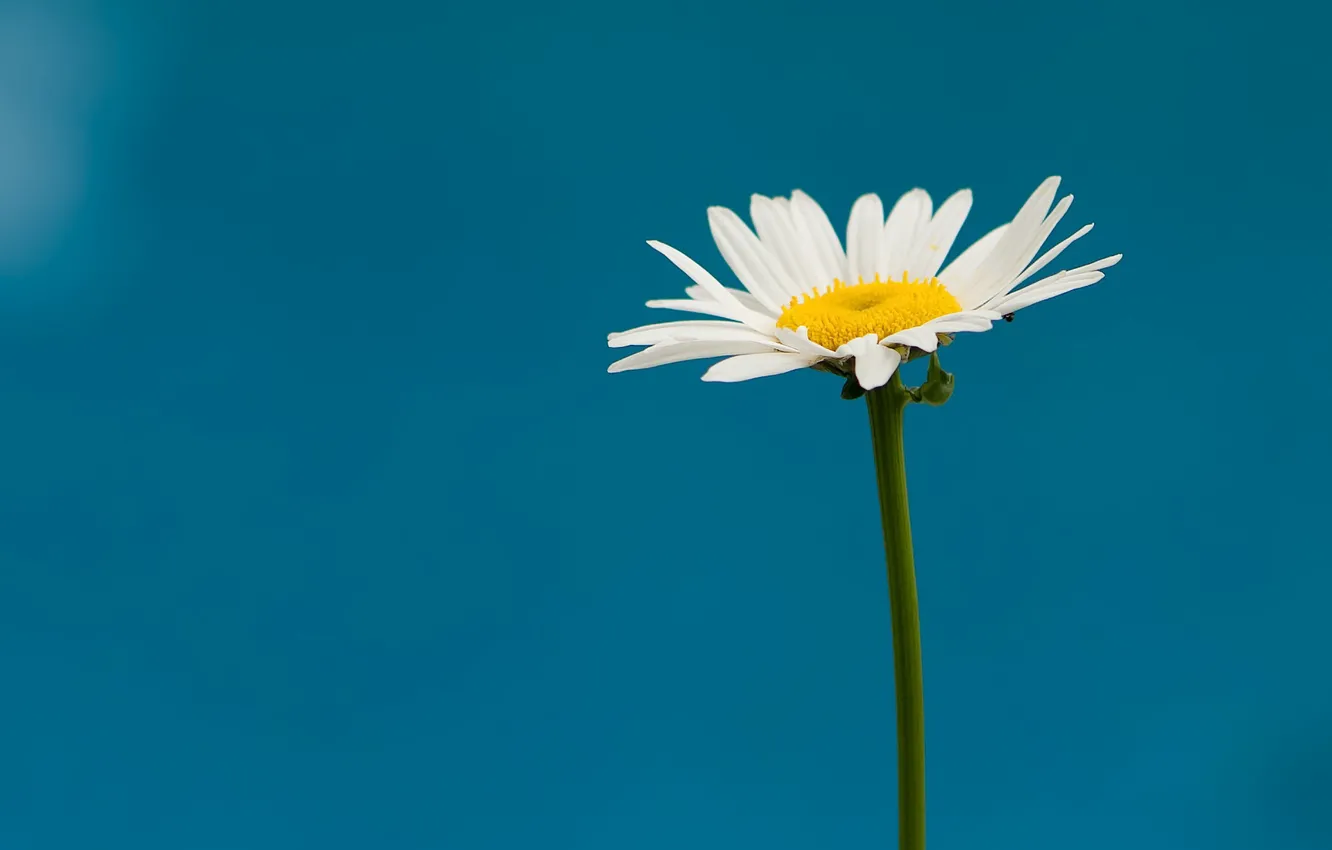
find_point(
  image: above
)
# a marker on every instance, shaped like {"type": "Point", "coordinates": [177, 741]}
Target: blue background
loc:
{"type": "Point", "coordinates": [322, 525]}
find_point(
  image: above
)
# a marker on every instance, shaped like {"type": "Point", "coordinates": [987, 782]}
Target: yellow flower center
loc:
{"type": "Point", "coordinates": [841, 313]}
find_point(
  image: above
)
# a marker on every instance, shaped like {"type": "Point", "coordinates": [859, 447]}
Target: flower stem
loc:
{"type": "Point", "coordinates": [886, 407]}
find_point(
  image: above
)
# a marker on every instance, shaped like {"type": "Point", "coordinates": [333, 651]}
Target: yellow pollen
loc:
{"type": "Point", "coordinates": [841, 313]}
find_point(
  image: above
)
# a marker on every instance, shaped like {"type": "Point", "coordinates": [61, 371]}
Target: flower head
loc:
{"type": "Point", "coordinates": [862, 310]}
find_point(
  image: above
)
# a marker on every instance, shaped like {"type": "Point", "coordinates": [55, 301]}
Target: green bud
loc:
{"type": "Point", "coordinates": [938, 386]}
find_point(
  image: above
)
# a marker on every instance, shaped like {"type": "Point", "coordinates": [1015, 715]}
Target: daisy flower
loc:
{"type": "Point", "coordinates": [861, 311]}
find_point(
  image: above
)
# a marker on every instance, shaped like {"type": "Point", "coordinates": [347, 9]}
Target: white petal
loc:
{"type": "Point", "coordinates": [908, 220]}
{"type": "Point", "coordinates": [1030, 295]}
{"type": "Point", "coordinates": [875, 363]}
{"type": "Point", "coordinates": [922, 337]}
{"type": "Point", "coordinates": [757, 321]}
{"type": "Point", "coordinates": [958, 274]}
{"type": "Point", "coordinates": [772, 220]}
{"type": "Point", "coordinates": [963, 327]}
{"type": "Point", "coordinates": [970, 320]}
{"type": "Point", "coordinates": [751, 262]}
{"type": "Point", "coordinates": [813, 223]}
{"type": "Point", "coordinates": [864, 232]}
{"type": "Point", "coordinates": [694, 305]}
{"type": "Point", "coordinates": [700, 276]}
{"type": "Point", "coordinates": [1058, 280]}
{"type": "Point", "coordinates": [925, 337]}
{"type": "Point", "coordinates": [875, 366]}
{"type": "Point", "coordinates": [807, 248]}
{"type": "Point", "coordinates": [698, 331]}
{"type": "Point", "coordinates": [799, 340]}
{"type": "Point", "coordinates": [989, 277]}
{"type": "Point", "coordinates": [1103, 263]}
{"type": "Point", "coordinates": [611, 337]}
{"type": "Point", "coordinates": [747, 366]}
{"type": "Point", "coordinates": [698, 293]}
{"type": "Point", "coordinates": [1056, 284]}
{"type": "Point", "coordinates": [1049, 255]}
{"type": "Point", "coordinates": [937, 240]}
{"type": "Point", "coordinates": [677, 352]}
{"type": "Point", "coordinates": [1005, 280]}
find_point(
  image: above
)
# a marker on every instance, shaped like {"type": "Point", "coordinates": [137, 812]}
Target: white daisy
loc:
{"type": "Point", "coordinates": [860, 311]}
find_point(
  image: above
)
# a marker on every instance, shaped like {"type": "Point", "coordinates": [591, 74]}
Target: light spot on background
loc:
{"type": "Point", "coordinates": [52, 75]}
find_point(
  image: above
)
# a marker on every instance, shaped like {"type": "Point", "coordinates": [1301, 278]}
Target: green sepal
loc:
{"type": "Point", "coordinates": [852, 389]}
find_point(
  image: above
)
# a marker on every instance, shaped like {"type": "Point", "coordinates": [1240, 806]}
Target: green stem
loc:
{"type": "Point", "coordinates": [886, 407]}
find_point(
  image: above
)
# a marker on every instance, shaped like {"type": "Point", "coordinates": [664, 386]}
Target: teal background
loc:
{"type": "Point", "coordinates": [322, 525]}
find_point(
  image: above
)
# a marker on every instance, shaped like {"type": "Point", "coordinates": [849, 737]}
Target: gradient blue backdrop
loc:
{"type": "Point", "coordinates": [321, 524]}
